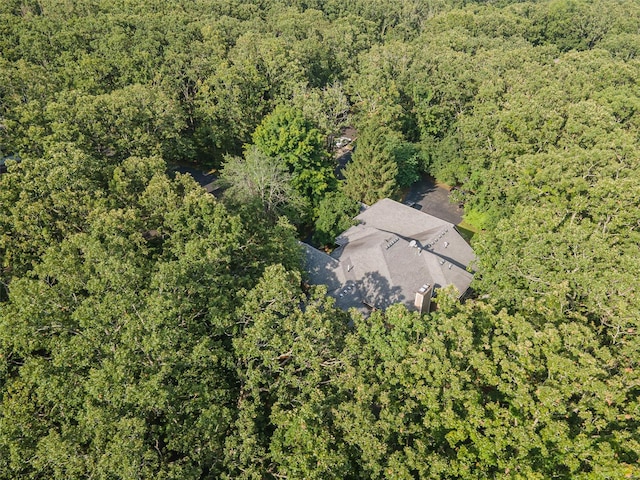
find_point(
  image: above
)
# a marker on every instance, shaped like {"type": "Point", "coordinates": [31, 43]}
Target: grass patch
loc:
{"type": "Point", "coordinates": [474, 220]}
{"type": "Point", "coordinates": [467, 231]}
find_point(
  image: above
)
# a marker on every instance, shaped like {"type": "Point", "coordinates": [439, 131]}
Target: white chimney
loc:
{"type": "Point", "coordinates": [423, 298]}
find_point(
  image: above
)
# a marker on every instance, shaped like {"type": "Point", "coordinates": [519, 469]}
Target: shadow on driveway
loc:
{"type": "Point", "coordinates": [206, 180]}
{"type": "Point", "coordinates": [344, 157]}
{"type": "Point", "coordinates": [429, 197]}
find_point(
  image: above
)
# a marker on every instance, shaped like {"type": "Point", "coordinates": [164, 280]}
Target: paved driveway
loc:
{"type": "Point", "coordinates": [343, 157]}
{"type": "Point", "coordinates": [434, 199]}
{"type": "Point", "coordinates": [206, 180]}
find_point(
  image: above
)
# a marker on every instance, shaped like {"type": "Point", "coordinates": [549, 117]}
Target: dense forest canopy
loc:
{"type": "Point", "coordinates": [151, 330]}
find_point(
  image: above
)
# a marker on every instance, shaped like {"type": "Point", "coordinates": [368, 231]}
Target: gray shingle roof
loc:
{"type": "Point", "coordinates": [389, 255]}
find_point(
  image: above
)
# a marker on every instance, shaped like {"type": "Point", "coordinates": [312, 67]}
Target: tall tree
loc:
{"type": "Point", "coordinates": [288, 357]}
{"type": "Point", "coordinates": [336, 213]}
{"type": "Point", "coordinates": [262, 182]}
{"type": "Point", "coordinates": [476, 392]}
{"type": "Point", "coordinates": [372, 173]}
{"type": "Point", "coordinates": [286, 134]}
{"type": "Point", "coordinates": [329, 106]}
{"type": "Point", "coordinates": [115, 341]}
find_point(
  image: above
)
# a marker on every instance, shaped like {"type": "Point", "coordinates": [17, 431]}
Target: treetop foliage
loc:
{"type": "Point", "coordinates": [151, 330]}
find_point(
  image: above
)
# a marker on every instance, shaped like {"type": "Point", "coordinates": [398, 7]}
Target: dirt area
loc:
{"type": "Point", "coordinates": [431, 197]}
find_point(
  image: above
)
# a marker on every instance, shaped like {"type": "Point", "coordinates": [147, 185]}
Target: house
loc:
{"type": "Point", "coordinates": [395, 254]}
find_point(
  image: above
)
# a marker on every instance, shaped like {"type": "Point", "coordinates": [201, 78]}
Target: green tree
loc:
{"type": "Point", "coordinates": [135, 120]}
{"type": "Point", "coordinates": [372, 173]}
{"type": "Point", "coordinates": [336, 213]}
{"type": "Point", "coordinates": [407, 156]}
{"type": "Point", "coordinates": [288, 357]}
{"type": "Point", "coordinates": [262, 182]}
{"type": "Point", "coordinates": [44, 200]}
{"type": "Point", "coordinates": [476, 392]}
{"type": "Point", "coordinates": [147, 330]}
{"type": "Point", "coordinates": [115, 340]}
{"type": "Point", "coordinates": [328, 107]}
{"type": "Point", "coordinates": [286, 134]}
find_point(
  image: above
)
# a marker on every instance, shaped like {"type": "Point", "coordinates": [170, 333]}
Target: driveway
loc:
{"type": "Point", "coordinates": [343, 156]}
{"type": "Point", "coordinates": [431, 198]}
{"type": "Point", "coordinates": [206, 180]}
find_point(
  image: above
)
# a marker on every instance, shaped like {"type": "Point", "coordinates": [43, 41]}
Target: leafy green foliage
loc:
{"type": "Point", "coordinates": [263, 183]}
{"type": "Point", "coordinates": [335, 214]}
{"type": "Point", "coordinates": [44, 200]}
{"type": "Point", "coordinates": [147, 330]}
{"type": "Point", "coordinates": [287, 360]}
{"type": "Point", "coordinates": [329, 106]}
{"type": "Point", "coordinates": [115, 339]}
{"type": "Point", "coordinates": [371, 174]}
{"type": "Point", "coordinates": [285, 134]}
{"type": "Point", "coordinates": [469, 384]}
{"type": "Point", "coordinates": [407, 157]}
